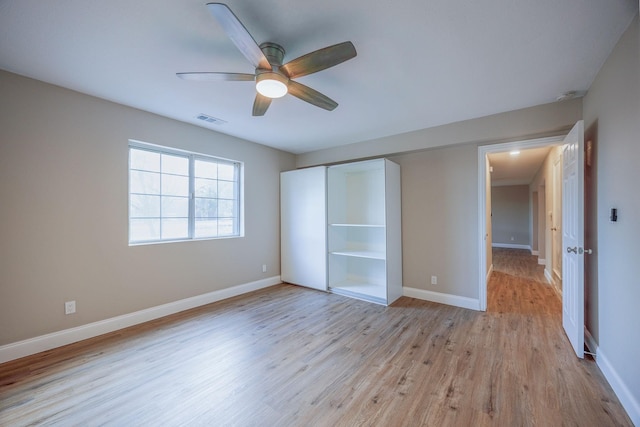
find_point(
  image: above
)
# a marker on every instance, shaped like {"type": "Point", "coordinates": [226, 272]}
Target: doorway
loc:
{"type": "Point", "coordinates": [544, 240]}
{"type": "Point", "coordinates": [573, 295]}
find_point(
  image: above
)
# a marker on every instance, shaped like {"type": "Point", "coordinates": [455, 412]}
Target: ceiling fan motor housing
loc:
{"type": "Point", "coordinates": [272, 83]}
{"type": "Point", "coordinates": [274, 53]}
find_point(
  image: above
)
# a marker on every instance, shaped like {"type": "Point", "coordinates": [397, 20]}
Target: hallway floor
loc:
{"type": "Point", "coordinates": [518, 285]}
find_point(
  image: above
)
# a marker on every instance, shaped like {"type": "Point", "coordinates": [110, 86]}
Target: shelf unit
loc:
{"type": "Point", "coordinates": [340, 229]}
{"type": "Point", "coordinates": [364, 242]}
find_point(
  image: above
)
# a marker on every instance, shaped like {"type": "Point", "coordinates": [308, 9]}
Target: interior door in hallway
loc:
{"type": "Point", "coordinates": [573, 237]}
{"type": "Point", "coordinates": [556, 225]}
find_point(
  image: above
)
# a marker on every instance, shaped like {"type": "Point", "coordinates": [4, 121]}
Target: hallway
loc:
{"type": "Point", "coordinates": [518, 285]}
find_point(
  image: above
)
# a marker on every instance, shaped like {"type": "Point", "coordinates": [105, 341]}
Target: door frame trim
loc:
{"type": "Point", "coordinates": [483, 150]}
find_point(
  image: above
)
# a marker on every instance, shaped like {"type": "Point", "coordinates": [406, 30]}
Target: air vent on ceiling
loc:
{"type": "Point", "coordinates": [210, 119]}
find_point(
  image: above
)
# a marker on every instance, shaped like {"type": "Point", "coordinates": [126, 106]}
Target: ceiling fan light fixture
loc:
{"type": "Point", "coordinates": [271, 84]}
{"type": "Point", "coordinates": [273, 79]}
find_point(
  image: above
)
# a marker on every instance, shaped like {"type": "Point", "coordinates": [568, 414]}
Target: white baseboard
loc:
{"type": "Point", "coordinates": [547, 276]}
{"type": "Point", "coordinates": [542, 261]}
{"type": "Point", "coordinates": [454, 300]}
{"type": "Point", "coordinates": [510, 246]}
{"type": "Point", "coordinates": [536, 253]}
{"type": "Point", "coordinates": [627, 399]}
{"type": "Point", "coordinates": [489, 272]}
{"type": "Point", "coordinates": [590, 343]}
{"type": "Point", "coordinates": [57, 339]}
{"type": "Point", "coordinates": [556, 290]}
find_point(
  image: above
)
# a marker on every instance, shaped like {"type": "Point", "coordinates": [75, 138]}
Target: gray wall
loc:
{"type": "Point", "coordinates": [511, 211]}
{"type": "Point", "coordinates": [63, 212]}
{"type": "Point", "coordinates": [612, 123]}
{"type": "Point", "coordinates": [440, 219]}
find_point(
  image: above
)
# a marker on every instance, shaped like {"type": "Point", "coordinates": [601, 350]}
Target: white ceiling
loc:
{"type": "Point", "coordinates": [420, 63]}
{"type": "Point", "coordinates": [517, 169]}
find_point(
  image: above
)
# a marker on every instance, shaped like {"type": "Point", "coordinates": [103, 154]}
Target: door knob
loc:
{"type": "Point", "coordinates": [574, 250]}
{"type": "Point", "coordinates": [588, 251]}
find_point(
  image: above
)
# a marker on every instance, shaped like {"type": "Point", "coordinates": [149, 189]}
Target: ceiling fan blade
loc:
{"type": "Point", "coordinates": [311, 96]}
{"type": "Point", "coordinates": [239, 35]}
{"type": "Point", "coordinates": [260, 105]}
{"type": "Point", "coordinates": [319, 60]}
{"type": "Point", "coordinates": [216, 77]}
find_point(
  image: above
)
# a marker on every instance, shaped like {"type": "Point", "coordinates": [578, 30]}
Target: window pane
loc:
{"type": "Point", "coordinates": [204, 169]}
{"type": "Point", "coordinates": [175, 228]}
{"type": "Point", "coordinates": [162, 183]}
{"type": "Point", "coordinates": [206, 208]}
{"type": "Point", "coordinates": [225, 208]}
{"type": "Point", "coordinates": [144, 182]}
{"type": "Point", "coordinates": [226, 171]}
{"type": "Point", "coordinates": [173, 207]}
{"type": "Point", "coordinates": [144, 206]}
{"type": "Point", "coordinates": [173, 185]}
{"type": "Point", "coordinates": [144, 160]}
{"type": "Point", "coordinates": [226, 227]}
{"type": "Point", "coordinates": [178, 165]}
{"type": "Point", "coordinates": [144, 229]}
{"type": "Point", "coordinates": [206, 187]}
{"type": "Point", "coordinates": [206, 228]}
{"type": "Point", "coordinates": [225, 189]}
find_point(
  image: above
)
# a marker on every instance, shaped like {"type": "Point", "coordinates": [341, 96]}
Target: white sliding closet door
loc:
{"type": "Point", "coordinates": [303, 225]}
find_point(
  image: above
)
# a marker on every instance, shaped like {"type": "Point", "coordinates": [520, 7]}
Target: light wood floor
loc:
{"type": "Point", "coordinates": [518, 262]}
{"type": "Point", "coordinates": [289, 356]}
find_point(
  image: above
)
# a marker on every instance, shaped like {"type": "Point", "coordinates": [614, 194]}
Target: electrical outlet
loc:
{"type": "Point", "coordinates": [434, 280]}
{"type": "Point", "coordinates": [264, 268]}
{"type": "Point", "coordinates": [69, 307]}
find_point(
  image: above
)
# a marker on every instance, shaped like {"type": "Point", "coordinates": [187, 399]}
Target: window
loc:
{"type": "Point", "coordinates": [178, 195]}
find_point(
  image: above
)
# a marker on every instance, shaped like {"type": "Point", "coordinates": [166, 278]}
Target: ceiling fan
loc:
{"type": "Point", "coordinates": [274, 79]}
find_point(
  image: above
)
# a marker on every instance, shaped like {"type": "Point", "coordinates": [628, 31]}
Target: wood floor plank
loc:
{"type": "Point", "coordinates": [290, 356]}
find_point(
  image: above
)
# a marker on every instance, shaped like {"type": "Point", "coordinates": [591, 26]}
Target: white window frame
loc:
{"type": "Point", "coordinates": [192, 158]}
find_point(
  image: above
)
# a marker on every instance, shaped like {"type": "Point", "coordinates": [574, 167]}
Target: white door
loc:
{"type": "Point", "coordinates": [573, 238]}
{"type": "Point", "coordinates": [556, 225]}
{"type": "Point", "coordinates": [303, 225]}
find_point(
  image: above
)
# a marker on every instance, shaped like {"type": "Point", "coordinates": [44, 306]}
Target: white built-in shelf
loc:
{"type": "Point", "coordinates": [363, 214]}
{"type": "Point", "coordinates": [361, 254]}
{"type": "Point", "coordinates": [358, 225]}
{"type": "Point", "coordinates": [374, 291]}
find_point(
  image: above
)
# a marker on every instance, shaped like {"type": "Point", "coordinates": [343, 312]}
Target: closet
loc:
{"type": "Point", "coordinates": [341, 229]}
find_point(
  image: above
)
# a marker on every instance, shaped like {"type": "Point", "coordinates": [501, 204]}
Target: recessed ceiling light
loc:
{"type": "Point", "coordinates": [514, 153]}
